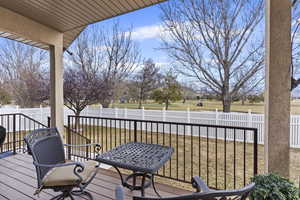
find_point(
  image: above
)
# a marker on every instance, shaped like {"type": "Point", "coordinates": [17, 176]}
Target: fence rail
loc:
{"type": "Point", "coordinates": [200, 149]}
{"type": "Point", "coordinates": [205, 117]}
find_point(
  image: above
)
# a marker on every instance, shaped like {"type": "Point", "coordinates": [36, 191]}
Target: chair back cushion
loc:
{"type": "Point", "coordinates": [46, 147]}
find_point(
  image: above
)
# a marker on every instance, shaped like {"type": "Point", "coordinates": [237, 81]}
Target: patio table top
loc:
{"type": "Point", "coordinates": [137, 156]}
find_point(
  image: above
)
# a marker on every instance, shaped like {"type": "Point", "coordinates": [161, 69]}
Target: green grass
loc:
{"type": "Point", "coordinates": [209, 105]}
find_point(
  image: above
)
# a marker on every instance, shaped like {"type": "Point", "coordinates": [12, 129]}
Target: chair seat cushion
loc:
{"type": "Point", "coordinates": [63, 176]}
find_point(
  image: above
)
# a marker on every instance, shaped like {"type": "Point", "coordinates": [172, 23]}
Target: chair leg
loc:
{"type": "Point", "coordinates": [64, 195]}
{"type": "Point", "coordinates": [82, 193]}
{"type": "Point", "coordinates": [58, 197]}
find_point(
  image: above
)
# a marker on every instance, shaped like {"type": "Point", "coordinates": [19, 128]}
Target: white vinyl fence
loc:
{"type": "Point", "coordinates": [205, 117]}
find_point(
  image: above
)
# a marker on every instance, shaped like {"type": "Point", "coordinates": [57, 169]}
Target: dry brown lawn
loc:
{"type": "Point", "coordinates": [196, 156]}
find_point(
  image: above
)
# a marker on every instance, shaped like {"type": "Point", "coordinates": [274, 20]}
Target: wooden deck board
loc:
{"type": "Point", "coordinates": [18, 182]}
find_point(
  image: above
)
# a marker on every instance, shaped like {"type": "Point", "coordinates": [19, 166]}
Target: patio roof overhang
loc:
{"type": "Point", "coordinates": [53, 25]}
{"type": "Point", "coordinates": [69, 17]}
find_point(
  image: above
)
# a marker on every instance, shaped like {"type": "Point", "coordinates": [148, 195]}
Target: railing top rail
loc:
{"type": "Point", "coordinates": [77, 133]}
{"type": "Point", "coordinates": [21, 114]}
{"type": "Point", "coordinates": [35, 121]}
{"type": "Point", "coordinates": [168, 122]}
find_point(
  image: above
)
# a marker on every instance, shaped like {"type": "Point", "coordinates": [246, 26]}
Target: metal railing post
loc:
{"type": "Point", "coordinates": [69, 137]}
{"type": "Point", "coordinates": [14, 134]}
{"type": "Point", "coordinates": [49, 122]}
{"type": "Point", "coordinates": [87, 153]}
{"type": "Point", "coordinates": [255, 153]}
{"type": "Point", "coordinates": [135, 131]}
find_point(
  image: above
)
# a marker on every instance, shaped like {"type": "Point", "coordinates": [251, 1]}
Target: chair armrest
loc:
{"type": "Point", "coordinates": [119, 193]}
{"type": "Point", "coordinates": [59, 164]}
{"type": "Point", "coordinates": [200, 185]}
{"type": "Point", "coordinates": [96, 146]}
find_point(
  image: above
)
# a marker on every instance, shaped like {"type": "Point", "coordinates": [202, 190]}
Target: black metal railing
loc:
{"type": "Point", "coordinates": [224, 156]}
{"type": "Point", "coordinates": [17, 125]}
{"type": "Point", "coordinates": [77, 153]}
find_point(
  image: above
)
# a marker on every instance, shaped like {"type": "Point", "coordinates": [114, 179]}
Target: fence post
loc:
{"type": "Point", "coordinates": [41, 113]}
{"type": "Point", "coordinates": [14, 134]}
{"type": "Point", "coordinates": [125, 113]}
{"type": "Point", "coordinates": [100, 109]}
{"type": "Point", "coordinates": [188, 111]}
{"type": "Point", "coordinates": [164, 114]}
{"type": "Point", "coordinates": [249, 124]}
{"type": "Point", "coordinates": [116, 112]}
{"type": "Point", "coordinates": [217, 117]}
{"type": "Point", "coordinates": [249, 119]}
{"type": "Point", "coordinates": [143, 113]}
{"type": "Point", "coordinates": [89, 111]}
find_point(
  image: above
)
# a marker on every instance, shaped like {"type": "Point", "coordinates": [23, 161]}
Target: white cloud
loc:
{"type": "Point", "coordinates": [147, 32]}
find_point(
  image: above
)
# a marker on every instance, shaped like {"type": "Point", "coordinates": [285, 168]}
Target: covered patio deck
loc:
{"type": "Point", "coordinates": [18, 182]}
{"type": "Point", "coordinates": [54, 25]}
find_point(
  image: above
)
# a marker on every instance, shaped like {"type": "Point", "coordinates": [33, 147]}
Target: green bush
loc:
{"type": "Point", "coordinates": [271, 187]}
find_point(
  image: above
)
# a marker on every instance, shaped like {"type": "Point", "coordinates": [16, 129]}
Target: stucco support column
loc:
{"type": "Point", "coordinates": [277, 94]}
{"type": "Point", "coordinates": [56, 91]}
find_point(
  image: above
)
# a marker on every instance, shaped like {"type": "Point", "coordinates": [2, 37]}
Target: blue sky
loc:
{"type": "Point", "coordinates": [145, 26]}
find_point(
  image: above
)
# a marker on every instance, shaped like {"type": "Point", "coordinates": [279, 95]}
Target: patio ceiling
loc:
{"type": "Point", "coordinates": [70, 17]}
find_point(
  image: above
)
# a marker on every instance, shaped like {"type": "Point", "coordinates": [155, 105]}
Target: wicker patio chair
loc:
{"type": "Point", "coordinates": [53, 170]}
{"type": "Point", "coordinates": [203, 193]}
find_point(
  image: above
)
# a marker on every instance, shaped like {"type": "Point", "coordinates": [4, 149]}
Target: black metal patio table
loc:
{"type": "Point", "coordinates": [143, 159]}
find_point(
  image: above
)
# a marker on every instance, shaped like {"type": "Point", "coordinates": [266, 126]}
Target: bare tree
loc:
{"type": "Point", "coordinates": [121, 55]}
{"type": "Point", "coordinates": [146, 80]}
{"type": "Point", "coordinates": [254, 86]}
{"type": "Point", "coordinates": [24, 72]}
{"type": "Point", "coordinates": [213, 41]}
{"type": "Point", "coordinates": [100, 60]}
{"type": "Point", "coordinates": [80, 89]}
{"type": "Point", "coordinates": [295, 43]}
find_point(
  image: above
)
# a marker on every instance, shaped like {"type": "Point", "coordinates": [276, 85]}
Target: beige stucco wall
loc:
{"type": "Point", "coordinates": [278, 81]}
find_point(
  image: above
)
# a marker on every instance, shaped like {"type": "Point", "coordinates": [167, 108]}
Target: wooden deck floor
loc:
{"type": "Point", "coordinates": [18, 182]}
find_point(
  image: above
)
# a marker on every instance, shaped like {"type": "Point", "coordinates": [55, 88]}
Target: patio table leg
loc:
{"type": "Point", "coordinates": [134, 179]}
{"type": "Point", "coordinates": [143, 185]}
{"type": "Point", "coordinates": [120, 174]}
{"type": "Point", "coordinates": [153, 185]}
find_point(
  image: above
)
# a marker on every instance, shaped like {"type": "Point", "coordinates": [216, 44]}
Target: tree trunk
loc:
{"type": "Point", "coordinates": [77, 119]}
{"type": "Point", "coordinates": [141, 98]}
{"type": "Point", "coordinates": [105, 103]}
{"type": "Point", "coordinates": [226, 98]}
{"type": "Point", "coordinates": [243, 100]}
{"type": "Point", "coordinates": [167, 104]}
{"type": "Point", "coordinates": [226, 105]}
{"type": "Point", "coordinates": [140, 103]}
